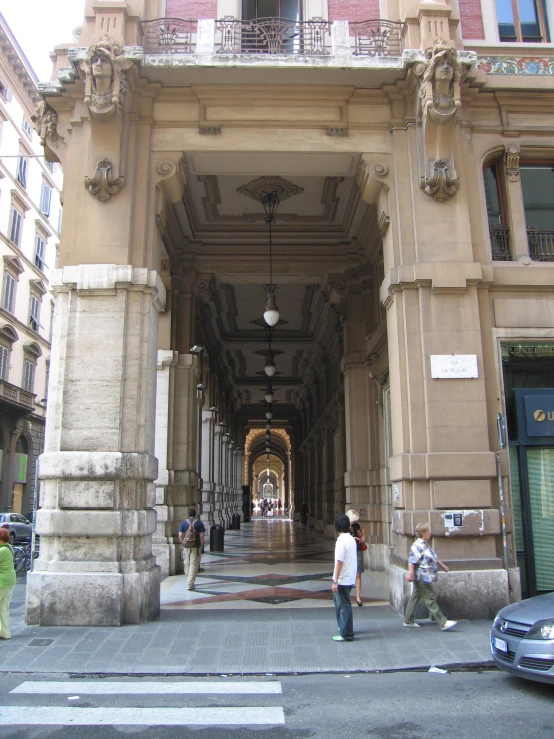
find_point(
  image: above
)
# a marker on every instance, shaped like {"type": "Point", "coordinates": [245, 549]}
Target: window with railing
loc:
{"type": "Point", "coordinates": [522, 20]}
{"type": "Point", "coordinates": [499, 231]}
{"type": "Point", "coordinates": [537, 186]}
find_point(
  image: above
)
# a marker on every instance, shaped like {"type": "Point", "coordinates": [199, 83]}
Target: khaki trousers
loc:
{"type": "Point", "coordinates": [192, 563]}
{"type": "Point", "coordinates": [423, 591]}
{"type": "Point", "coordinates": [5, 600]}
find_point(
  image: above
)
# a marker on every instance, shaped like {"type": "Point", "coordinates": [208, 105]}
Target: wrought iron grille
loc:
{"type": "Point", "coordinates": [541, 244]}
{"type": "Point", "coordinates": [273, 36]}
{"type": "Point", "coordinates": [500, 243]}
{"type": "Point", "coordinates": [168, 36]}
{"type": "Point", "coordinates": [378, 38]}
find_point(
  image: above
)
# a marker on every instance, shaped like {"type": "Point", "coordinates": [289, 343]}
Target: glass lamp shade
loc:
{"type": "Point", "coordinates": [268, 436]}
{"type": "Point", "coordinates": [268, 426]}
{"type": "Point", "coordinates": [269, 397]}
{"type": "Point", "coordinates": [269, 368]}
{"type": "Point", "coordinates": [271, 313]}
{"type": "Point", "coordinates": [269, 415]}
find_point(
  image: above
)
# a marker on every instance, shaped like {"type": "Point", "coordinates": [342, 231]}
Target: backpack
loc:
{"type": "Point", "coordinates": [189, 539]}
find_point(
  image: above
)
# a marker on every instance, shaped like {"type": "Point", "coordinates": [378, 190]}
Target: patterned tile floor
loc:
{"type": "Point", "coordinates": [270, 563]}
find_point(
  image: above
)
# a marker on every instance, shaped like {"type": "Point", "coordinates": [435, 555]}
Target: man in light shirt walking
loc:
{"type": "Point", "coordinates": [344, 578]}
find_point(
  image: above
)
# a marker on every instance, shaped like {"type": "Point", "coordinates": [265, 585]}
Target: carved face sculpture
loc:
{"type": "Point", "coordinates": [102, 73]}
{"type": "Point", "coordinates": [444, 71]}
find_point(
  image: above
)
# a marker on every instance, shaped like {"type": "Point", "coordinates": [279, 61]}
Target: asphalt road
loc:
{"type": "Point", "coordinates": [385, 706]}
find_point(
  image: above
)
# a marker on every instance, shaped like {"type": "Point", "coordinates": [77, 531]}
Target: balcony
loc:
{"type": "Point", "coordinates": [16, 397]}
{"type": "Point", "coordinates": [371, 39]}
{"type": "Point", "coordinates": [273, 36]}
{"type": "Point", "coordinates": [541, 244]}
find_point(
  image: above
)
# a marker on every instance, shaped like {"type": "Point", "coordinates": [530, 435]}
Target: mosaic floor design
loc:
{"type": "Point", "coordinates": [269, 563]}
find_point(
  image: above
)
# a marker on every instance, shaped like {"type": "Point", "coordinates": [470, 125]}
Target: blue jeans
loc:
{"type": "Point", "coordinates": [343, 611]}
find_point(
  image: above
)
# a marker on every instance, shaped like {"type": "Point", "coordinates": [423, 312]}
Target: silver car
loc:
{"type": "Point", "coordinates": [522, 639]}
{"type": "Point", "coordinates": [19, 527]}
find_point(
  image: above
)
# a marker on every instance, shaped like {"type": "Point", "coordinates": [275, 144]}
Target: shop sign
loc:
{"type": "Point", "coordinates": [535, 416]}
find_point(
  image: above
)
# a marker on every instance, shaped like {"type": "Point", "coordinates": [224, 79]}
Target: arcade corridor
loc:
{"type": "Point", "coordinates": [270, 563]}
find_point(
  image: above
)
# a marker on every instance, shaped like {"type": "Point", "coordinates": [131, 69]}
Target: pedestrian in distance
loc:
{"type": "Point", "coordinates": [304, 513]}
{"type": "Point", "coordinates": [7, 582]}
{"type": "Point", "coordinates": [191, 536]}
{"type": "Point", "coordinates": [423, 564]}
{"type": "Point", "coordinates": [344, 577]}
{"type": "Point", "coordinates": [359, 534]}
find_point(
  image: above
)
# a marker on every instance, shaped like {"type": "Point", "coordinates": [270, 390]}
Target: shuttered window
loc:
{"type": "Point", "coordinates": [22, 170]}
{"type": "Point", "coordinates": [15, 230]}
{"type": "Point", "coordinates": [28, 376]}
{"type": "Point", "coordinates": [40, 247]}
{"type": "Point", "coordinates": [34, 312]}
{"type": "Point", "coordinates": [8, 295]}
{"type": "Point", "coordinates": [4, 362]}
{"type": "Point", "coordinates": [540, 465]}
{"type": "Point", "coordinates": [45, 199]}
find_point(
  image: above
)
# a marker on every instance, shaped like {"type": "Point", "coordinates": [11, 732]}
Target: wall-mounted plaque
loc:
{"type": "Point", "coordinates": [454, 366]}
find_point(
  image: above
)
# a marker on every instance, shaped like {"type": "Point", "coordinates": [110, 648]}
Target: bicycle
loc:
{"type": "Point", "coordinates": [22, 556]}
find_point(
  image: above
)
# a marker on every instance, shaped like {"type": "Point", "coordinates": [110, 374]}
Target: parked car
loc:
{"type": "Point", "coordinates": [20, 529]}
{"type": "Point", "coordinates": [522, 639]}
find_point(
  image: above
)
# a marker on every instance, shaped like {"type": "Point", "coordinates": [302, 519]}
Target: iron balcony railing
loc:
{"type": "Point", "coordinates": [273, 36]}
{"type": "Point", "coordinates": [378, 38]}
{"type": "Point", "coordinates": [500, 243]}
{"type": "Point", "coordinates": [541, 244]}
{"type": "Point", "coordinates": [168, 36]}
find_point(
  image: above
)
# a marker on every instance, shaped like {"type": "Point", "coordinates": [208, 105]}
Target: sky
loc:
{"type": "Point", "coordinates": [39, 26]}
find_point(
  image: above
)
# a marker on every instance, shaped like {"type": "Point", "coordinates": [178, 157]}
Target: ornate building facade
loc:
{"type": "Point", "coordinates": [306, 249]}
{"type": "Point", "coordinates": [30, 216]}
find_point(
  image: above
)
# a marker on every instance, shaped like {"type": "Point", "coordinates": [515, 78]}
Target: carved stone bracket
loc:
{"type": "Point", "coordinates": [45, 120]}
{"type": "Point", "coordinates": [511, 161]}
{"type": "Point", "coordinates": [103, 186]}
{"type": "Point", "coordinates": [438, 104]}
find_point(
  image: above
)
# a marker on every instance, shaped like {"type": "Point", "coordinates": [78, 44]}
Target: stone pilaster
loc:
{"type": "Point", "coordinates": [218, 488]}
{"type": "Point", "coordinates": [98, 469]}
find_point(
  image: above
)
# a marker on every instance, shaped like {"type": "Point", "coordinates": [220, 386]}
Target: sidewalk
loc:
{"type": "Point", "coordinates": [253, 641]}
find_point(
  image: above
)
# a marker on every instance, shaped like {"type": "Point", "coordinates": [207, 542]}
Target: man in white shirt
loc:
{"type": "Point", "coordinates": [344, 578]}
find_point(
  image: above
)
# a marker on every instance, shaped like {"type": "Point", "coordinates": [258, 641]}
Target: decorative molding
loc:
{"type": "Point", "coordinates": [105, 84]}
{"type": "Point", "coordinates": [511, 161]}
{"type": "Point", "coordinates": [282, 187]}
{"type": "Point", "coordinates": [527, 65]}
{"type": "Point", "coordinates": [103, 186]}
{"type": "Point", "coordinates": [439, 102]}
{"type": "Point", "coordinates": [371, 180]}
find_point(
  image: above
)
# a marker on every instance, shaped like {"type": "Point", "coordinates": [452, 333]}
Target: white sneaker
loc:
{"type": "Point", "coordinates": [448, 625]}
{"type": "Point", "coordinates": [411, 626]}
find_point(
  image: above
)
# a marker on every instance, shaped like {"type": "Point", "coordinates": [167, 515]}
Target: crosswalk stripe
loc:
{"type": "Point", "coordinates": [75, 716]}
{"type": "Point", "coordinates": [229, 687]}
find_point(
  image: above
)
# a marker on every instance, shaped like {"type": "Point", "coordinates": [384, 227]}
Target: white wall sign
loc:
{"type": "Point", "coordinates": [396, 493]}
{"type": "Point", "coordinates": [457, 366]}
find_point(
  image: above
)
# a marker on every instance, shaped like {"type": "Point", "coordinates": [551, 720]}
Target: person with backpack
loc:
{"type": "Point", "coordinates": [191, 536]}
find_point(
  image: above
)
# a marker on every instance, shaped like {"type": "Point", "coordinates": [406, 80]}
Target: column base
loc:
{"type": "Point", "coordinates": [464, 594]}
{"type": "Point", "coordinates": [168, 557]}
{"type": "Point", "coordinates": [92, 599]}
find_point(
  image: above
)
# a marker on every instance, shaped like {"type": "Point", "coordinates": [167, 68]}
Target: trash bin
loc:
{"type": "Point", "coordinates": [217, 537]}
{"type": "Point", "coordinates": [235, 522]}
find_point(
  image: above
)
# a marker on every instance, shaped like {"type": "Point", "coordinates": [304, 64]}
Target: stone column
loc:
{"type": "Point", "coordinates": [218, 488]}
{"type": "Point", "coordinates": [208, 483]}
{"type": "Point", "coordinates": [164, 540]}
{"type": "Point", "coordinates": [98, 469]}
{"type": "Point", "coordinates": [225, 453]}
